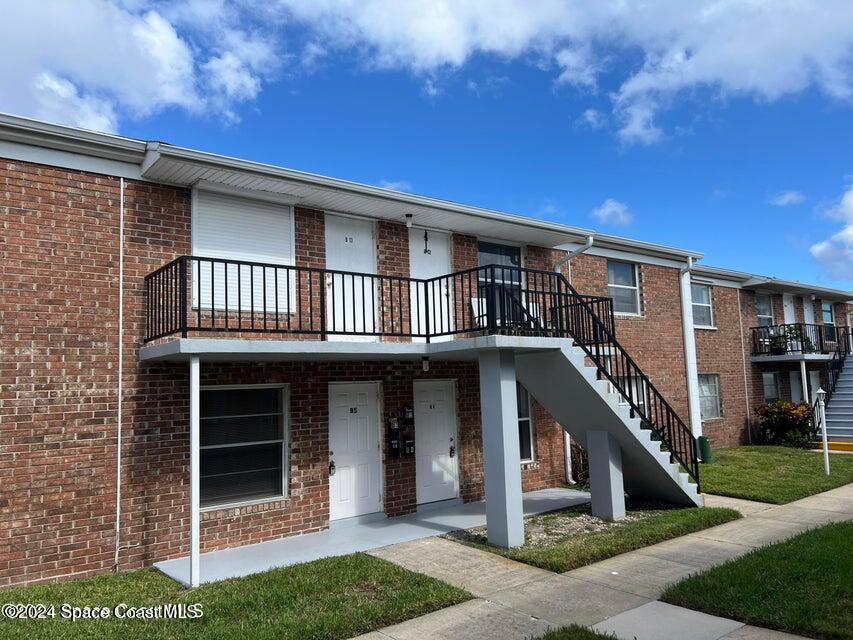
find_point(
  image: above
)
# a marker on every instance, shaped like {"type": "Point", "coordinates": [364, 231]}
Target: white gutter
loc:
{"type": "Point", "coordinates": [691, 366]}
{"type": "Point", "coordinates": [745, 372]}
{"type": "Point", "coordinates": [120, 389]}
{"type": "Point", "coordinates": [567, 438]}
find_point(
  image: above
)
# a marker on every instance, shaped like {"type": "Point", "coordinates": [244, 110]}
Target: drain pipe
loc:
{"type": "Point", "coordinates": [120, 387]}
{"type": "Point", "coordinates": [567, 439]}
{"type": "Point", "coordinates": [692, 368]}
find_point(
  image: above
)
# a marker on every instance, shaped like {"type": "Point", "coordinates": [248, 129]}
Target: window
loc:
{"type": "Point", "coordinates": [525, 424]}
{"type": "Point", "coordinates": [709, 396]}
{"type": "Point", "coordinates": [771, 386]}
{"type": "Point", "coordinates": [623, 288]}
{"type": "Point", "coordinates": [828, 317]}
{"type": "Point", "coordinates": [703, 312]}
{"type": "Point", "coordinates": [505, 292]}
{"type": "Point", "coordinates": [764, 309]}
{"type": "Point", "coordinates": [243, 436]}
{"type": "Point", "coordinates": [637, 391]}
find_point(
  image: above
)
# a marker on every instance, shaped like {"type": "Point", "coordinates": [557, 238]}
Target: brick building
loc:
{"type": "Point", "coordinates": [201, 344]}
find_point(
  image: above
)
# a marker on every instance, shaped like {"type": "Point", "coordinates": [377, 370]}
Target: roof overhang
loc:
{"type": "Point", "coordinates": [187, 167]}
{"type": "Point", "coordinates": [775, 285]}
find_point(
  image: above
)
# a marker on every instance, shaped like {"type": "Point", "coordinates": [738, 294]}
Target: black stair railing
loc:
{"type": "Point", "coordinates": [200, 294]}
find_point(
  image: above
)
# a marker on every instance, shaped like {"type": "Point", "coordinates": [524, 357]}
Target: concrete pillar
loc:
{"type": "Point", "coordinates": [692, 369]}
{"type": "Point", "coordinates": [501, 456]}
{"type": "Point", "coordinates": [804, 378]}
{"type": "Point", "coordinates": [605, 475]}
{"type": "Point", "coordinates": [195, 466]}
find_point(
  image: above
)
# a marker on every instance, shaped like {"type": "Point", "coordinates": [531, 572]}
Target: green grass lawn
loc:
{"type": "Point", "coordinates": [803, 585]}
{"type": "Point", "coordinates": [567, 549]}
{"type": "Point", "coordinates": [331, 598]}
{"type": "Point", "coordinates": [575, 632]}
{"type": "Point", "coordinates": [773, 474]}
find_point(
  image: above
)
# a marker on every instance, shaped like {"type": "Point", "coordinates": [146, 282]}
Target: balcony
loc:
{"type": "Point", "coordinates": [794, 341]}
{"type": "Point", "coordinates": [197, 295]}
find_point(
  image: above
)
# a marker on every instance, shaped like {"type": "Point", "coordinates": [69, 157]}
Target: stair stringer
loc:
{"type": "Point", "coordinates": [569, 390]}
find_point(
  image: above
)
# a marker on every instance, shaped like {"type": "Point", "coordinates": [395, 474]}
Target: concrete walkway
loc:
{"type": "Point", "coordinates": [618, 595]}
{"type": "Point", "coordinates": [354, 536]}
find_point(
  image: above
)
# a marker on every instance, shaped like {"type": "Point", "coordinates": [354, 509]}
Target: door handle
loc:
{"type": "Point", "coordinates": [331, 467]}
{"type": "Point", "coordinates": [452, 451]}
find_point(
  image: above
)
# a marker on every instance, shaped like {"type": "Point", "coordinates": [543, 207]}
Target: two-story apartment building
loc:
{"type": "Point", "coordinates": [202, 352]}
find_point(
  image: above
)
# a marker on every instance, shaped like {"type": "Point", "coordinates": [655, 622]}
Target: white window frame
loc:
{"type": "Point", "coordinates": [635, 288]}
{"type": "Point", "coordinates": [530, 428]}
{"type": "Point", "coordinates": [775, 377]}
{"type": "Point", "coordinates": [759, 316]}
{"type": "Point", "coordinates": [719, 403]}
{"type": "Point", "coordinates": [285, 444]}
{"type": "Point", "coordinates": [709, 305]}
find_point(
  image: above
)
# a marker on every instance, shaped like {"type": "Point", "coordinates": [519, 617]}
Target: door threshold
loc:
{"type": "Point", "coordinates": [439, 504]}
{"type": "Point", "coordinates": [354, 520]}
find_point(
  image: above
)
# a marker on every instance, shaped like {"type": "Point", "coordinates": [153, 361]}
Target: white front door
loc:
{"type": "Point", "coordinates": [435, 440]}
{"type": "Point", "coordinates": [355, 463]}
{"type": "Point", "coordinates": [808, 310]}
{"type": "Point", "coordinates": [350, 298]}
{"type": "Point", "coordinates": [788, 308]}
{"type": "Point", "coordinates": [814, 385]}
{"type": "Point", "coordinates": [429, 257]}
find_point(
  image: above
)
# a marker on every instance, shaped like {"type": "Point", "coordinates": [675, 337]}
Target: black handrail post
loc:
{"type": "Point", "coordinates": [322, 305]}
{"type": "Point", "coordinates": [426, 311]}
{"type": "Point", "coordinates": [184, 319]}
{"type": "Point", "coordinates": [491, 293]}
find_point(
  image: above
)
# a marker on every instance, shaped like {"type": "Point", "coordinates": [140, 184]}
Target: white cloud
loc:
{"type": "Point", "coordinates": [835, 253]}
{"type": "Point", "coordinates": [92, 63]}
{"type": "Point", "coordinates": [786, 198]}
{"type": "Point", "coordinates": [614, 213]}
{"type": "Point", "coordinates": [592, 118]}
{"type": "Point", "coordinates": [759, 49]}
{"type": "Point", "coordinates": [396, 185]}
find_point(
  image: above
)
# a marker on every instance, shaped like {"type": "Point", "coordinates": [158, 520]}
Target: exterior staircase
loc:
{"type": "Point", "coordinates": [839, 409]}
{"type": "Point", "coordinates": [574, 393]}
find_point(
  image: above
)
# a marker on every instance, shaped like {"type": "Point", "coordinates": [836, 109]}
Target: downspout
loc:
{"type": "Point", "coordinates": [120, 388]}
{"type": "Point", "coordinates": [692, 369]}
{"type": "Point", "coordinates": [567, 439]}
{"type": "Point", "coordinates": [745, 374]}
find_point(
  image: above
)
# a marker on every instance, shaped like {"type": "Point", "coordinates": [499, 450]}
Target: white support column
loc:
{"type": "Point", "coordinates": [501, 456]}
{"type": "Point", "coordinates": [692, 368]}
{"type": "Point", "coordinates": [804, 377]}
{"type": "Point", "coordinates": [195, 463]}
{"type": "Point", "coordinates": [605, 475]}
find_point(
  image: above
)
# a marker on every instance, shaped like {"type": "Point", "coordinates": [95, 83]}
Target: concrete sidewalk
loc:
{"type": "Point", "coordinates": [618, 595]}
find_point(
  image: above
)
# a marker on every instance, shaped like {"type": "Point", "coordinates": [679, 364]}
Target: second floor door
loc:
{"type": "Point", "coordinates": [351, 296]}
{"type": "Point", "coordinates": [431, 302]}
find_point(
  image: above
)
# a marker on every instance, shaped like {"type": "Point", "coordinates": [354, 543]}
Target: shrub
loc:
{"type": "Point", "coordinates": [785, 423]}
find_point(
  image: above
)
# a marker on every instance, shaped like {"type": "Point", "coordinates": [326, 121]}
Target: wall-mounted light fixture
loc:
{"type": "Point", "coordinates": [425, 364]}
{"type": "Point", "coordinates": [409, 218]}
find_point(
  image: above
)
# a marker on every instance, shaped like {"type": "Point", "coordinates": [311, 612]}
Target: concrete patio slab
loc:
{"type": "Point", "coordinates": [479, 572]}
{"type": "Point", "coordinates": [748, 632]}
{"type": "Point", "coordinates": [661, 621]}
{"type": "Point", "coordinates": [753, 531]}
{"type": "Point", "coordinates": [746, 507]}
{"type": "Point", "coordinates": [702, 553]}
{"type": "Point", "coordinates": [472, 620]}
{"type": "Point", "coordinates": [564, 600]}
{"type": "Point", "coordinates": [338, 541]}
{"type": "Point", "coordinates": [642, 575]}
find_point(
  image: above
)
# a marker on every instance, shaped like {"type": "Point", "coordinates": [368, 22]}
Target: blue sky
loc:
{"type": "Point", "coordinates": [736, 144]}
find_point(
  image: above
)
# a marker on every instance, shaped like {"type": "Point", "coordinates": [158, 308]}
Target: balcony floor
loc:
{"type": "Point", "coordinates": [259, 350]}
{"type": "Point", "coordinates": [793, 357]}
{"type": "Point", "coordinates": [345, 538]}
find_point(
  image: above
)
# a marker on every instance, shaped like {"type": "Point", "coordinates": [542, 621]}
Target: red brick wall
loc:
{"type": "Point", "coordinates": [719, 351]}
{"type": "Point", "coordinates": [59, 249]}
{"type": "Point", "coordinates": [655, 338]}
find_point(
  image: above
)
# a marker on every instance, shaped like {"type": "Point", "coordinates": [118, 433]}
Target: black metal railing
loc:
{"type": "Point", "coordinates": [793, 338]}
{"type": "Point", "coordinates": [839, 356]}
{"type": "Point", "coordinates": [198, 294]}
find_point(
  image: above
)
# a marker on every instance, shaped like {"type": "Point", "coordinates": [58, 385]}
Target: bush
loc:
{"type": "Point", "coordinates": [785, 423]}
